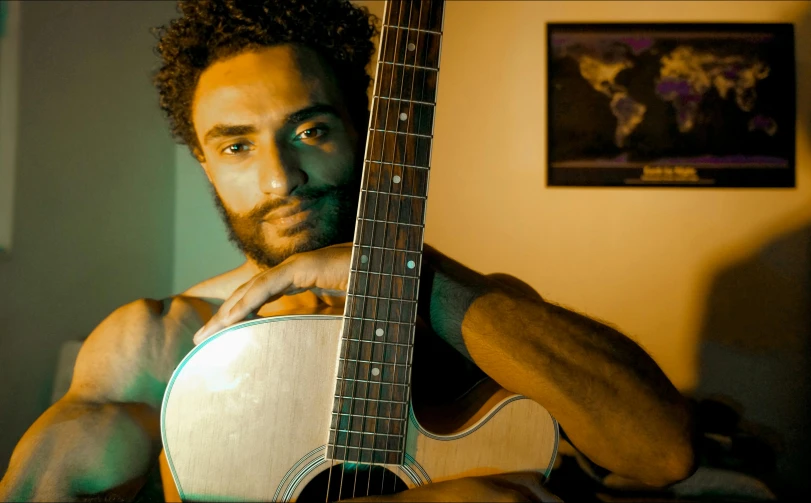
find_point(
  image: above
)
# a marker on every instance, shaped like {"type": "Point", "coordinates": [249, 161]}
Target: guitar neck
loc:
{"type": "Point", "coordinates": [374, 368]}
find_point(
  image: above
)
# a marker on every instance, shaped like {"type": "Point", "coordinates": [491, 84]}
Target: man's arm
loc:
{"type": "Point", "coordinates": [614, 402]}
{"type": "Point", "coordinates": [103, 436]}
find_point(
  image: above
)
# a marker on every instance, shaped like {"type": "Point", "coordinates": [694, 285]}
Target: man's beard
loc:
{"type": "Point", "coordinates": [334, 223]}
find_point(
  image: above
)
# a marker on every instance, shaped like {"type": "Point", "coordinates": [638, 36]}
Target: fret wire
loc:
{"type": "Point", "coordinates": [375, 320]}
{"type": "Point", "coordinates": [386, 248]}
{"type": "Point", "coordinates": [401, 132]}
{"type": "Point", "coordinates": [390, 222]}
{"type": "Point", "coordinates": [398, 344]}
{"type": "Point", "coordinates": [371, 400]}
{"type": "Point", "coordinates": [411, 29]}
{"type": "Point", "coordinates": [401, 99]}
{"type": "Point", "coordinates": [336, 447]}
{"type": "Point", "coordinates": [380, 298]}
{"type": "Point", "coordinates": [401, 165]}
{"type": "Point", "coordinates": [379, 321]}
{"type": "Point", "coordinates": [368, 433]}
{"type": "Point", "coordinates": [409, 66]}
{"type": "Point", "coordinates": [392, 193]}
{"type": "Point", "coordinates": [370, 361]}
{"type": "Point", "coordinates": [347, 414]}
{"type": "Point", "coordinates": [385, 274]}
{"type": "Point", "coordinates": [375, 382]}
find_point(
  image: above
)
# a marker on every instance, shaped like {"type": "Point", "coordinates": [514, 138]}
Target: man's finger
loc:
{"type": "Point", "coordinates": [226, 307]}
{"type": "Point", "coordinates": [216, 322]}
{"type": "Point", "coordinates": [247, 299]}
{"type": "Point", "coordinates": [260, 293]}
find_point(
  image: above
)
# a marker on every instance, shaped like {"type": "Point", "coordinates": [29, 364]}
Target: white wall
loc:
{"type": "Point", "coordinates": [94, 190]}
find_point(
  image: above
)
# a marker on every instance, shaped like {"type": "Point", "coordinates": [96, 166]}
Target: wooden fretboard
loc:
{"type": "Point", "coordinates": [374, 367]}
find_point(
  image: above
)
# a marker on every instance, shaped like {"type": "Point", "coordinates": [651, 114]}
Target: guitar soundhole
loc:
{"type": "Point", "coordinates": [347, 480]}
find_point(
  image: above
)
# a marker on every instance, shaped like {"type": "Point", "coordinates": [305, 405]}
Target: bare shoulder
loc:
{"type": "Point", "coordinates": [515, 284]}
{"type": "Point", "coordinates": [131, 355]}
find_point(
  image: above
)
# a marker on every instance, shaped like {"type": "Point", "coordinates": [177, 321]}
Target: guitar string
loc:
{"type": "Point", "coordinates": [381, 169]}
{"type": "Point", "coordinates": [385, 231]}
{"type": "Point", "coordinates": [363, 302]}
{"type": "Point", "coordinates": [351, 304]}
{"type": "Point", "coordinates": [402, 79]}
{"type": "Point", "coordinates": [413, 321]}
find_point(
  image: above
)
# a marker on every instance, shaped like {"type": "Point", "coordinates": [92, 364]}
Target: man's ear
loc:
{"type": "Point", "coordinates": [202, 160]}
{"type": "Point", "coordinates": [205, 170]}
{"type": "Point", "coordinates": [204, 165]}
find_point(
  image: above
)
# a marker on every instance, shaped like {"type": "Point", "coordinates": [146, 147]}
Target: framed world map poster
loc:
{"type": "Point", "coordinates": [688, 105]}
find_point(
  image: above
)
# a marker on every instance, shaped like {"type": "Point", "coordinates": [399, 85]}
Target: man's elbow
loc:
{"type": "Point", "coordinates": [677, 461]}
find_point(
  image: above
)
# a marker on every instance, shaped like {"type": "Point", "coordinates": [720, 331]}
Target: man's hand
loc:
{"type": "Point", "coordinates": [506, 487]}
{"type": "Point", "coordinates": [324, 271]}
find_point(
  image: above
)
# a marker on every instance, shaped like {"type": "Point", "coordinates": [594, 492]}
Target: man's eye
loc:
{"type": "Point", "coordinates": [235, 148]}
{"type": "Point", "coordinates": [312, 133]}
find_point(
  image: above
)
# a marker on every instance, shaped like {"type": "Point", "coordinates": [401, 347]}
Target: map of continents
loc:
{"type": "Point", "coordinates": [685, 76]}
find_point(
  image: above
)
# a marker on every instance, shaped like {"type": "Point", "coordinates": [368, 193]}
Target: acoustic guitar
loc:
{"type": "Point", "coordinates": [319, 407]}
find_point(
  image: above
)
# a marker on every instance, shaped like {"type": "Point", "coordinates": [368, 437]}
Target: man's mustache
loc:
{"type": "Point", "coordinates": [305, 196]}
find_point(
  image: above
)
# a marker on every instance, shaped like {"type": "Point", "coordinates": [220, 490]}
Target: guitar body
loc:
{"type": "Point", "coordinates": [247, 415]}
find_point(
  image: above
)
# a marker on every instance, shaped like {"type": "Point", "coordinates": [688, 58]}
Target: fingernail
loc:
{"type": "Point", "coordinates": [198, 337]}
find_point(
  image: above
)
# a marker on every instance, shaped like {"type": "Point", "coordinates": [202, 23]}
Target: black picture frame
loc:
{"type": "Point", "coordinates": [671, 105]}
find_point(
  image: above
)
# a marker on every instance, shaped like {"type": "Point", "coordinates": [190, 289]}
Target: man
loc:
{"type": "Point", "coordinates": [271, 99]}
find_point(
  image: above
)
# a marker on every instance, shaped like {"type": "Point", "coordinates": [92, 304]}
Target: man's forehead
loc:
{"type": "Point", "coordinates": [271, 81]}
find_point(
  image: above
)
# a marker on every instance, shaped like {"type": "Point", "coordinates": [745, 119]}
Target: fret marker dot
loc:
{"type": "Point", "coordinates": [411, 47]}
{"type": "Point", "coordinates": [379, 332]}
{"type": "Point", "coordinates": [395, 179]}
{"type": "Point", "coordinates": [411, 264]}
{"type": "Point", "coordinates": [375, 371]}
{"type": "Point", "coordinates": [403, 116]}
{"type": "Point", "coordinates": [364, 259]}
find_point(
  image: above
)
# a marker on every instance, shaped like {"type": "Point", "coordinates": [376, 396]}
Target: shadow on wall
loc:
{"type": "Point", "coordinates": [753, 354]}
{"type": "Point", "coordinates": [755, 344]}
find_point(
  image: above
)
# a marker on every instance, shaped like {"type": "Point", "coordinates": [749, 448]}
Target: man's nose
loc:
{"type": "Point", "coordinates": [280, 172]}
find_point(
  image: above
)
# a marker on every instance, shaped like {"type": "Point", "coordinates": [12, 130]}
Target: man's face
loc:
{"type": "Point", "coordinates": [279, 151]}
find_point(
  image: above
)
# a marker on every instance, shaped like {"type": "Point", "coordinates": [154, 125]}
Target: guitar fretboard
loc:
{"type": "Point", "coordinates": [374, 369]}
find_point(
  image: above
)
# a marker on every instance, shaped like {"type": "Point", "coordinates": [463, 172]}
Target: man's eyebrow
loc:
{"type": "Point", "coordinates": [228, 130]}
{"type": "Point", "coordinates": [310, 112]}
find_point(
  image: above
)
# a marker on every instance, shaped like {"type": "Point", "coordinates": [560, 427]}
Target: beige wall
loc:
{"type": "Point", "coordinates": [93, 195]}
{"type": "Point", "coordinates": [640, 259]}
{"type": "Point", "coordinates": [713, 283]}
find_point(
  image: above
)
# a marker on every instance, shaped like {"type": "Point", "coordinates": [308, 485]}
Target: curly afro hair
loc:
{"type": "Point", "coordinates": [211, 30]}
